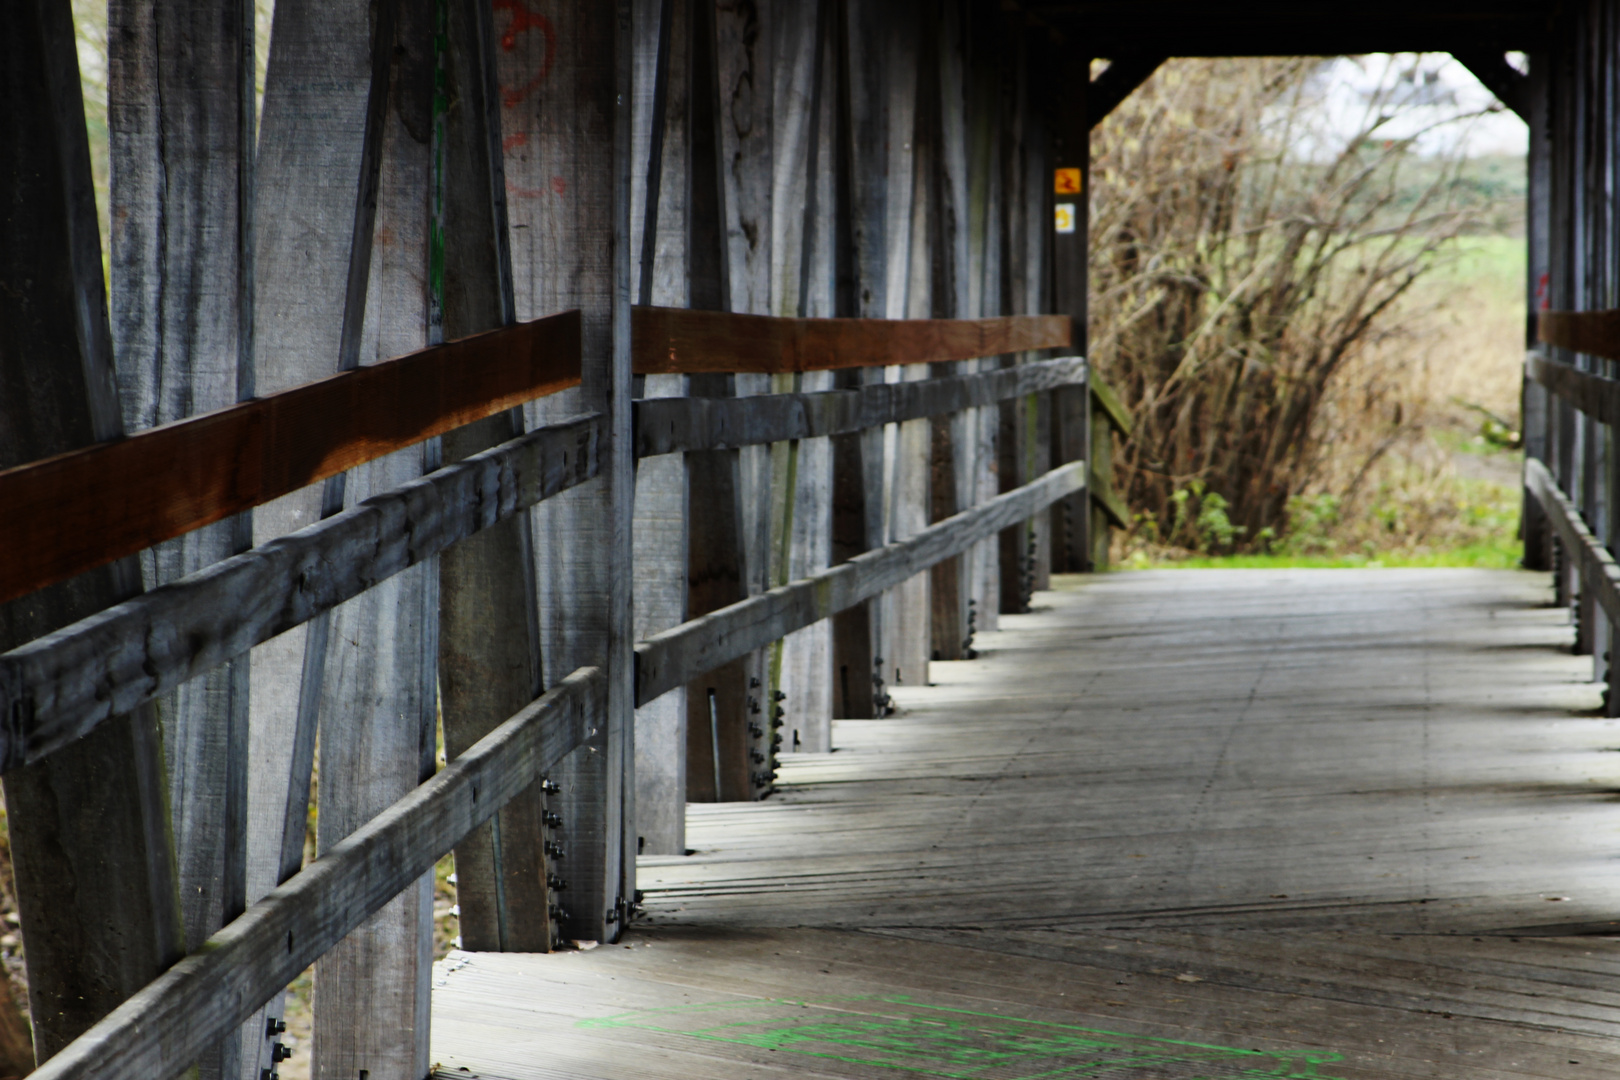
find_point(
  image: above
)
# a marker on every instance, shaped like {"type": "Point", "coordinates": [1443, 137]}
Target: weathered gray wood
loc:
{"type": "Point", "coordinates": [745, 59]}
{"type": "Point", "coordinates": [62, 685]}
{"type": "Point", "coordinates": [181, 115]}
{"type": "Point", "coordinates": [308, 174]}
{"type": "Point", "coordinates": [378, 691]}
{"type": "Point", "coordinates": [873, 874]}
{"type": "Point", "coordinates": [705, 643]}
{"type": "Point", "coordinates": [489, 639]}
{"type": "Point", "coordinates": [1598, 396]}
{"type": "Point", "coordinates": [667, 425]}
{"type": "Point", "coordinates": [1599, 573]}
{"type": "Point", "coordinates": [89, 829]}
{"type": "Point", "coordinates": [660, 233]}
{"type": "Point", "coordinates": [171, 1020]}
{"type": "Point", "coordinates": [565, 80]}
{"type": "Point", "coordinates": [905, 617]}
{"type": "Point", "coordinates": [986, 263]}
{"type": "Point", "coordinates": [803, 215]}
{"type": "Point", "coordinates": [941, 143]}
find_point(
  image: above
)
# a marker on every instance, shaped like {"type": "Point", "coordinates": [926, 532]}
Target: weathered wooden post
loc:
{"type": "Point", "coordinates": [89, 831]}
{"type": "Point", "coordinates": [1070, 76]}
{"type": "Point", "coordinates": [342, 240]}
{"type": "Point", "coordinates": [566, 97]}
{"type": "Point", "coordinates": [1536, 404]}
{"type": "Point", "coordinates": [907, 616]}
{"type": "Point", "coordinates": [659, 237]}
{"type": "Point", "coordinates": [729, 244]}
{"type": "Point", "coordinates": [181, 114]}
{"type": "Point", "coordinates": [489, 644]}
{"type": "Point", "coordinates": [858, 255]}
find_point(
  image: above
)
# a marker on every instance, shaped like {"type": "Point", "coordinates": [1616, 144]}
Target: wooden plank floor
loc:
{"type": "Point", "coordinates": [1341, 823]}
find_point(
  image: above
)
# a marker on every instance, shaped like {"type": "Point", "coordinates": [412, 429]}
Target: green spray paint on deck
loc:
{"type": "Point", "coordinates": [907, 1035]}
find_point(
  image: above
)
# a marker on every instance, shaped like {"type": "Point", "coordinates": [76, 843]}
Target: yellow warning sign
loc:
{"type": "Point", "coordinates": [1065, 217]}
{"type": "Point", "coordinates": [1067, 182]}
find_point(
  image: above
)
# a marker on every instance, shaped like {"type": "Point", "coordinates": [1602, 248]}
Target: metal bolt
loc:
{"type": "Point", "coordinates": [777, 695]}
{"type": "Point", "coordinates": [279, 1052]}
{"type": "Point", "coordinates": [555, 883]}
{"type": "Point", "coordinates": [553, 819]}
{"type": "Point", "coordinates": [757, 757]}
{"type": "Point", "coordinates": [550, 787]}
{"type": "Point", "coordinates": [554, 850]}
{"type": "Point", "coordinates": [756, 731]}
{"type": "Point", "coordinates": [273, 1027]}
{"type": "Point", "coordinates": [780, 712]}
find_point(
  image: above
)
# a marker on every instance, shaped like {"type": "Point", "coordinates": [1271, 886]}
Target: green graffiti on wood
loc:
{"type": "Point", "coordinates": [931, 1040]}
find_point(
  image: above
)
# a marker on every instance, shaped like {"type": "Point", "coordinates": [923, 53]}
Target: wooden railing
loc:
{"type": "Point", "coordinates": [1557, 535]}
{"type": "Point", "coordinates": [60, 687]}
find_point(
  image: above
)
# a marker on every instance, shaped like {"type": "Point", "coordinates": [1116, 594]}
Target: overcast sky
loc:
{"type": "Point", "coordinates": [1428, 90]}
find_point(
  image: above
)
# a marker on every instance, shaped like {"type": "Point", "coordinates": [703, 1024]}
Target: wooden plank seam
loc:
{"type": "Point", "coordinates": [167, 1025]}
{"type": "Point", "coordinates": [57, 688]}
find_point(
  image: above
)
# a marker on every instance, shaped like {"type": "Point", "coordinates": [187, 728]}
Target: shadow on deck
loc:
{"type": "Point", "coordinates": [1341, 823]}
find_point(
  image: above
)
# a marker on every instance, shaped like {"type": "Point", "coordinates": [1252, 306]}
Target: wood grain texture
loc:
{"type": "Point", "coordinates": [660, 228]}
{"type": "Point", "coordinates": [1598, 396]}
{"type": "Point", "coordinates": [705, 643]}
{"type": "Point", "coordinates": [163, 1027]}
{"type": "Point", "coordinates": [1593, 333]}
{"type": "Point", "coordinates": [1598, 572]}
{"type": "Point", "coordinates": [89, 830]}
{"type": "Point", "coordinates": [158, 484]}
{"type": "Point", "coordinates": [59, 687]}
{"type": "Point", "coordinates": [671, 340]}
{"type": "Point", "coordinates": [567, 98]}
{"type": "Point", "coordinates": [489, 639]}
{"type": "Point", "coordinates": [376, 698]}
{"type": "Point", "coordinates": [180, 119]}
{"type": "Point", "coordinates": [1288, 811]}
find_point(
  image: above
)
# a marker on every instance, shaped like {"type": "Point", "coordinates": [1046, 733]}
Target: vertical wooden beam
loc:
{"type": "Point", "coordinates": [802, 209]}
{"type": "Point", "coordinates": [1026, 222]}
{"type": "Point", "coordinates": [986, 267]}
{"type": "Point", "coordinates": [1071, 186]}
{"type": "Point", "coordinates": [730, 245]}
{"type": "Point", "coordinates": [338, 152]}
{"type": "Point", "coordinates": [565, 83]}
{"type": "Point", "coordinates": [90, 845]}
{"type": "Point", "coordinates": [378, 698]}
{"type": "Point", "coordinates": [907, 608]}
{"type": "Point", "coordinates": [1534, 402]}
{"type": "Point", "coordinates": [942, 134]}
{"type": "Point", "coordinates": [658, 222]}
{"type": "Point", "coordinates": [489, 644]}
{"type": "Point", "coordinates": [857, 458]}
{"type": "Point", "coordinates": [181, 114]}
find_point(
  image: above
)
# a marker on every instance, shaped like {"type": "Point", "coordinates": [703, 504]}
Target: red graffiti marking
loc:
{"type": "Point", "coordinates": [524, 20]}
{"type": "Point", "coordinates": [559, 185]}
{"type": "Point", "coordinates": [515, 140]}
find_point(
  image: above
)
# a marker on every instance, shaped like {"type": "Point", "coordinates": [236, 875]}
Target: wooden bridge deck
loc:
{"type": "Point", "coordinates": [1172, 824]}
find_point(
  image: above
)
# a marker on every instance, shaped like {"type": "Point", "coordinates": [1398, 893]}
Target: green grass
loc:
{"type": "Point", "coordinates": [1500, 555]}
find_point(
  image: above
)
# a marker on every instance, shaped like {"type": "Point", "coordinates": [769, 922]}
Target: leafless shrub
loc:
{"type": "Point", "coordinates": [1237, 278]}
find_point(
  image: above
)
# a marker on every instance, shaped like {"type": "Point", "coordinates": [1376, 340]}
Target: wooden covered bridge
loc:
{"type": "Point", "coordinates": [550, 427]}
